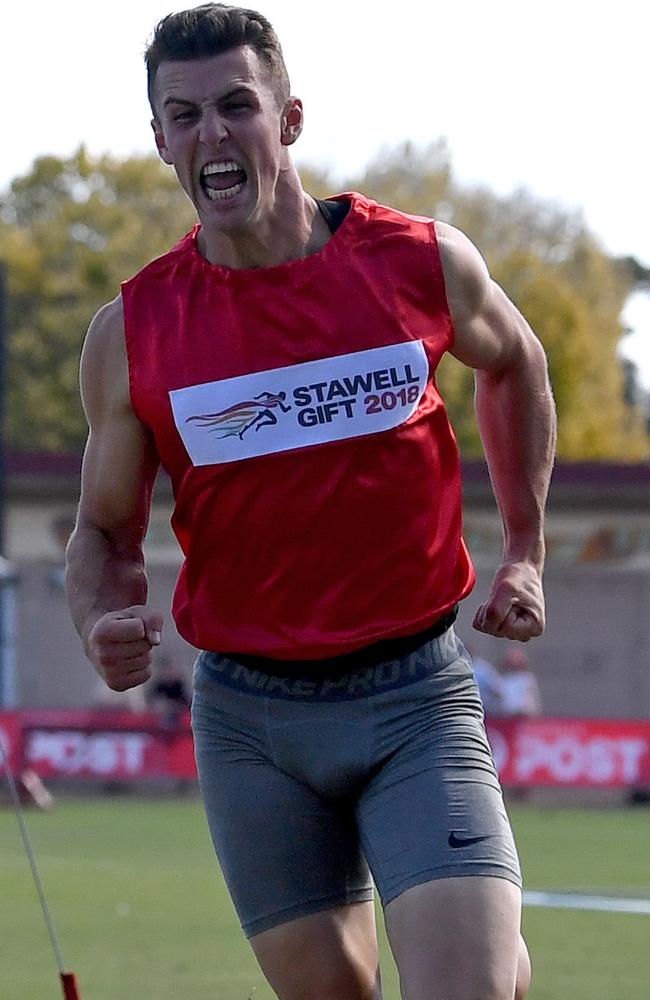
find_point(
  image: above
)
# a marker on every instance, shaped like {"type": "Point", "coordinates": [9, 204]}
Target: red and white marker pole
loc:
{"type": "Point", "coordinates": [68, 979]}
{"type": "Point", "coordinates": [69, 984]}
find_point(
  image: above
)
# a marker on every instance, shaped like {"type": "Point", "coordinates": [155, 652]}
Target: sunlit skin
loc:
{"type": "Point", "coordinates": [224, 109]}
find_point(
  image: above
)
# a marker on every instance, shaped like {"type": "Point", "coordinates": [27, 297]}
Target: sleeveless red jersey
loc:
{"type": "Point", "coordinates": [315, 474]}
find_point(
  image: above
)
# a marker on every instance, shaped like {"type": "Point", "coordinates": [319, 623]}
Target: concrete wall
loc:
{"type": "Point", "coordinates": [593, 660]}
{"type": "Point", "coordinates": [52, 670]}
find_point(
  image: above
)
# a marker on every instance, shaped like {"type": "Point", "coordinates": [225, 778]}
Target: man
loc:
{"type": "Point", "coordinates": [520, 694]}
{"type": "Point", "coordinates": [280, 363]}
{"type": "Point", "coordinates": [488, 680]}
{"type": "Point", "coordinates": [167, 693]}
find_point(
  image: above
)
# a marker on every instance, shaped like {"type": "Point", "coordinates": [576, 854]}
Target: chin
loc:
{"type": "Point", "coordinates": [224, 221]}
{"type": "Point", "coordinates": [240, 214]}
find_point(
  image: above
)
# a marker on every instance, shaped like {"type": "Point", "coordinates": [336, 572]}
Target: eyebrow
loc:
{"type": "Point", "coordinates": [238, 89]}
{"type": "Point", "coordinates": [177, 100]}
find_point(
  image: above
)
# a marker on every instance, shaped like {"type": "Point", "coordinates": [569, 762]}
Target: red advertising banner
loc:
{"type": "Point", "coordinates": [569, 753]}
{"type": "Point", "coordinates": [107, 746]}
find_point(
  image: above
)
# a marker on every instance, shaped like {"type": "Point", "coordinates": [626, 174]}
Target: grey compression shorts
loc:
{"type": "Point", "coordinates": [310, 785]}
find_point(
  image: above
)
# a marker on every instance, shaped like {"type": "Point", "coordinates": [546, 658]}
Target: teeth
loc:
{"type": "Point", "coordinates": [224, 195]}
{"type": "Point", "coordinates": [220, 168]}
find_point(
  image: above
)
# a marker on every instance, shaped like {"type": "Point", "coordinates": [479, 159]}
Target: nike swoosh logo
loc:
{"type": "Point", "coordinates": [456, 841]}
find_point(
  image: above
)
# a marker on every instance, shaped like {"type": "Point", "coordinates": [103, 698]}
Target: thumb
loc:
{"type": "Point", "coordinates": [153, 623]}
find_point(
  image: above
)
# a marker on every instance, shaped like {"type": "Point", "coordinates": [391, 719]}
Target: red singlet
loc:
{"type": "Point", "coordinates": [315, 473]}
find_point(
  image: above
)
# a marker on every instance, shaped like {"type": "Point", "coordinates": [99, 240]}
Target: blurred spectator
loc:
{"type": "Point", "coordinates": [167, 693]}
{"type": "Point", "coordinates": [519, 688]}
{"type": "Point", "coordinates": [489, 683]}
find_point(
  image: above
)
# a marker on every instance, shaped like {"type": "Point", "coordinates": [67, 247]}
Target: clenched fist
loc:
{"type": "Point", "coordinates": [515, 605]}
{"type": "Point", "coordinates": [120, 646]}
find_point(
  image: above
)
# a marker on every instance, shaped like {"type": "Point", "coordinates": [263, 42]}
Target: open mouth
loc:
{"type": "Point", "coordinates": [223, 180]}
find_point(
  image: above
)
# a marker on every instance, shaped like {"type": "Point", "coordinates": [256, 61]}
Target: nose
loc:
{"type": "Point", "coordinates": [213, 128]}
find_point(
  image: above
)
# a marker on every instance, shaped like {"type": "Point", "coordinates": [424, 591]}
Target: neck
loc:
{"type": "Point", "coordinates": [291, 228]}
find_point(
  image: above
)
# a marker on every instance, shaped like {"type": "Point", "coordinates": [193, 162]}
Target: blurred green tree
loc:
{"type": "Point", "coordinates": [571, 292]}
{"type": "Point", "coordinates": [73, 229]}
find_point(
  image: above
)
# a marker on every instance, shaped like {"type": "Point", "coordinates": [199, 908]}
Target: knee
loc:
{"type": "Point", "coordinates": [467, 984]}
{"type": "Point", "coordinates": [346, 986]}
{"type": "Point", "coordinates": [343, 983]}
{"type": "Point", "coordinates": [524, 971]}
{"type": "Point", "coordinates": [315, 978]}
{"type": "Point", "coordinates": [329, 955]}
{"type": "Point", "coordinates": [497, 983]}
{"type": "Point", "coordinates": [489, 988]}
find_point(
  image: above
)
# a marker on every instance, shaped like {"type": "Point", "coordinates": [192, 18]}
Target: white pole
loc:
{"type": "Point", "coordinates": [8, 687]}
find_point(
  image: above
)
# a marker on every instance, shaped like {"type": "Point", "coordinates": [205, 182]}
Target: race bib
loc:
{"type": "Point", "coordinates": [301, 405]}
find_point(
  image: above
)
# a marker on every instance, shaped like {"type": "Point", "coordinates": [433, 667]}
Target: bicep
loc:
{"type": "Point", "coordinates": [120, 460]}
{"type": "Point", "coordinates": [495, 336]}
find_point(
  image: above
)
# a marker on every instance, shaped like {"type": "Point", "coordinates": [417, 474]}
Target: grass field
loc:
{"type": "Point", "coordinates": [141, 911]}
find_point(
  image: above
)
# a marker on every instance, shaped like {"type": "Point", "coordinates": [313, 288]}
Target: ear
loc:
{"type": "Point", "coordinates": [159, 139]}
{"type": "Point", "coordinates": [292, 121]}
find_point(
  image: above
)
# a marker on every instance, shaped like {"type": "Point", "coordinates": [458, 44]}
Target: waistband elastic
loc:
{"type": "Point", "coordinates": [368, 656]}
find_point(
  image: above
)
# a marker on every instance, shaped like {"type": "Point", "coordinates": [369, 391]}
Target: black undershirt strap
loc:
{"type": "Point", "coordinates": [334, 212]}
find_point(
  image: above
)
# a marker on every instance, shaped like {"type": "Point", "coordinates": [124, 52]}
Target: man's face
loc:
{"type": "Point", "coordinates": [219, 123]}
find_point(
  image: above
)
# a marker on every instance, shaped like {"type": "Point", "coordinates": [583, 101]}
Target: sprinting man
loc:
{"type": "Point", "coordinates": [338, 728]}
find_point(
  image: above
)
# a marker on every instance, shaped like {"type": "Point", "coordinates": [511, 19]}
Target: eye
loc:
{"type": "Point", "coordinates": [237, 106]}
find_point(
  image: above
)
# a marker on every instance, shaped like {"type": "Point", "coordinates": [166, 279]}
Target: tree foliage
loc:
{"type": "Point", "coordinates": [73, 229]}
{"type": "Point", "coordinates": [553, 269]}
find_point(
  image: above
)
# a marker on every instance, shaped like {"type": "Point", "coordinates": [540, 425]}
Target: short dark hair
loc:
{"type": "Point", "coordinates": [209, 30]}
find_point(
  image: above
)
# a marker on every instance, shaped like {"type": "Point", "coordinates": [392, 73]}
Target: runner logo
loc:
{"type": "Point", "coordinates": [239, 418]}
{"type": "Point", "coordinates": [332, 399]}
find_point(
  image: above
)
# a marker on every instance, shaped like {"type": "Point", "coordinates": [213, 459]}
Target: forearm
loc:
{"type": "Point", "coordinates": [101, 576]}
{"type": "Point", "coordinates": [516, 417]}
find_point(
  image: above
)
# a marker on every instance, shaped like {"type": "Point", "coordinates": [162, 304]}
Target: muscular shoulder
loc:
{"type": "Point", "coordinates": [106, 330]}
{"type": "Point", "coordinates": [104, 369]}
{"type": "Point", "coordinates": [489, 331]}
{"type": "Point", "coordinates": [467, 281]}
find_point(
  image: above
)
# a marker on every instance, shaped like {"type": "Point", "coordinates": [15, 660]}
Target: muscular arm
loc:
{"type": "Point", "coordinates": [106, 583]}
{"type": "Point", "coordinates": [516, 418]}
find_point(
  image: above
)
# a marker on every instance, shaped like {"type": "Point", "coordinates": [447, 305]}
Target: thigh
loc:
{"type": "Point", "coordinates": [285, 851]}
{"type": "Point", "coordinates": [458, 939]}
{"type": "Point", "coordinates": [434, 807]}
